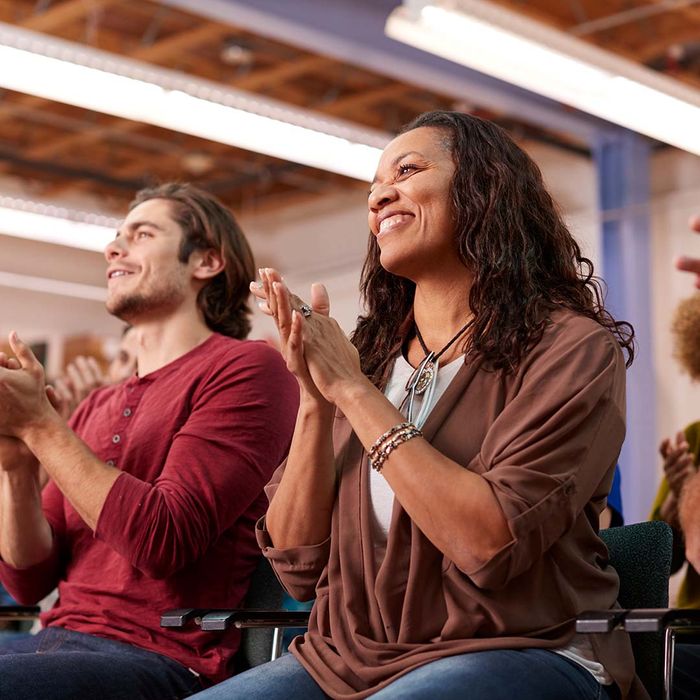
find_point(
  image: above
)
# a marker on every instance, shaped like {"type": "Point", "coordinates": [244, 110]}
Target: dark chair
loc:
{"type": "Point", "coordinates": [261, 619]}
{"type": "Point", "coordinates": [641, 555]}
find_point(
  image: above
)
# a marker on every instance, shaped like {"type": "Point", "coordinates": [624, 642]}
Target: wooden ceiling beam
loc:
{"type": "Point", "coordinates": [80, 139]}
{"type": "Point", "coordinates": [289, 70]}
{"type": "Point", "coordinates": [649, 50]}
{"type": "Point", "coordinates": [174, 45]}
{"type": "Point", "coordinates": [344, 105]}
{"type": "Point", "coordinates": [158, 51]}
{"type": "Point", "coordinates": [183, 41]}
{"type": "Point", "coordinates": [61, 14]}
{"type": "Point", "coordinates": [691, 13]}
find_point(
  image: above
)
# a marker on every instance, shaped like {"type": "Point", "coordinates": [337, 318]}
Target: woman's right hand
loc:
{"type": "Point", "coordinates": [678, 462]}
{"type": "Point", "coordinates": [275, 300]}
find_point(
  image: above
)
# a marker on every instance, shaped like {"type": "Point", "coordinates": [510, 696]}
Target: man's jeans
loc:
{"type": "Point", "coordinates": [57, 664]}
{"type": "Point", "coordinates": [528, 674]}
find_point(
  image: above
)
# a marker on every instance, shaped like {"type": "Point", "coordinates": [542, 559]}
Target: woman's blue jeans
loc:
{"type": "Point", "coordinates": [57, 664]}
{"type": "Point", "coordinates": [527, 674]}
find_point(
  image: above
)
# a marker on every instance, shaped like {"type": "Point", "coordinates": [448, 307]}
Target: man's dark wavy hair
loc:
{"type": "Point", "coordinates": [207, 224]}
{"type": "Point", "coordinates": [509, 233]}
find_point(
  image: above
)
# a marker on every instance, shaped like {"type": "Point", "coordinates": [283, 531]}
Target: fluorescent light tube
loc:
{"type": "Point", "coordinates": [47, 285]}
{"type": "Point", "coordinates": [518, 50]}
{"type": "Point", "coordinates": [73, 74]}
{"type": "Point", "coordinates": [53, 224]}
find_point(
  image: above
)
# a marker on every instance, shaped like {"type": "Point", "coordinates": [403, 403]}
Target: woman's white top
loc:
{"type": "Point", "coordinates": [580, 649]}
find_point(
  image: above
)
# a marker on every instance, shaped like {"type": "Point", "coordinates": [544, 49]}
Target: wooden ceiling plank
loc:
{"type": "Point", "coordinates": [183, 41]}
{"type": "Point", "coordinates": [652, 49]}
{"type": "Point", "coordinates": [167, 47]}
{"type": "Point", "coordinates": [63, 13]}
{"type": "Point", "coordinates": [279, 73]}
{"type": "Point", "coordinates": [350, 103]}
{"type": "Point", "coordinates": [80, 139]}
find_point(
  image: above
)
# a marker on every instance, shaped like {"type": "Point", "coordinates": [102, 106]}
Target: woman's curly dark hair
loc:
{"type": "Point", "coordinates": [512, 238]}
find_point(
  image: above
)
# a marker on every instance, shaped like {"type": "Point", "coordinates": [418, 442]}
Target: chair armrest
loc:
{"type": "Point", "coordinates": [19, 612]}
{"type": "Point", "coordinates": [599, 621]}
{"type": "Point", "coordinates": [180, 616]}
{"type": "Point", "coordinates": [222, 619]}
{"type": "Point", "coordinates": [659, 619]}
{"type": "Point", "coordinates": [211, 620]}
{"type": "Point", "coordinates": [637, 620]}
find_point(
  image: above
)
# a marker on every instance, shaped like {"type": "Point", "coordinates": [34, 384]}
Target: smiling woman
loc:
{"type": "Point", "coordinates": [449, 464]}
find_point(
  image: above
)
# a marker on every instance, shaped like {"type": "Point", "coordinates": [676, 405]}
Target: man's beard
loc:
{"type": "Point", "coordinates": [130, 307]}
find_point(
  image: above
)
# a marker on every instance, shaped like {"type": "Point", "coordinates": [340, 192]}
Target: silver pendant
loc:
{"type": "Point", "coordinates": [425, 377]}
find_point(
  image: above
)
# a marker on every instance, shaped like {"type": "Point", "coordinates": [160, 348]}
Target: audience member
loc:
{"type": "Point", "coordinates": [686, 682]}
{"type": "Point", "coordinates": [485, 386]}
{"type": "Point", "coordinates": [681, 454]}
{"type": "Point", "coordinates": [84, 374]}
{"type": "Point", "coordinates": [157, 481]}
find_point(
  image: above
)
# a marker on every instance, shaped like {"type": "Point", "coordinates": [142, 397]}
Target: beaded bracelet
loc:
{"type": "Point", "coordinates": [398, 437]}
{"type": "Point", "coordinates": [382, 438]}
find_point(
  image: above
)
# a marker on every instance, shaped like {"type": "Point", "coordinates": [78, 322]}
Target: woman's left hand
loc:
{"type": "Point", "coordinates": [332, 360]}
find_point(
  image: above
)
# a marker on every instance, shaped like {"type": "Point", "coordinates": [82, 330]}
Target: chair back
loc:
{"type": "Point", "coordinates": [641, 555]}
{"type": "Point", "coordinates": [265, 593]}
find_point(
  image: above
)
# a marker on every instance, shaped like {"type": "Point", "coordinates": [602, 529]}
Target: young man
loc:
{"type": "Point", "coordinates": [156, 482]}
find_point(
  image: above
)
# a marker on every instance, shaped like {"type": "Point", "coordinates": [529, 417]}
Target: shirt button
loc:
{"type": "Point", "coordinates": [110, 462]}
{"type": "Point", "coordinates": [116, 439]}
{"type": "Point", "coordinates": [127, 412]}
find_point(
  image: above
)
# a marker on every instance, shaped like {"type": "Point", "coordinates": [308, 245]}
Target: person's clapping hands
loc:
{"type": "Point", "coordinates": [678, 462]}
{"type": "Point", "coordinates": [14, 454]}
{"type": "Point", "coordinates": [82, 376]}
{"type": "Point", "coordinates": [316, 349]}
{"type": "Point", "coordinates": [678, 467]}
{"type": "Point", "coordinates": [23, 393]}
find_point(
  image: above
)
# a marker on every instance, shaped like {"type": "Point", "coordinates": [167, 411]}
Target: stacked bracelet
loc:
{"type": "Point", "coordinates": [385, 444]}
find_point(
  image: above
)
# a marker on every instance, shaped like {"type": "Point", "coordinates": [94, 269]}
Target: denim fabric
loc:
{"type": "Point", "coordinates": [57, 664]}
{"type": "Point", "coordinates": [528, 674]}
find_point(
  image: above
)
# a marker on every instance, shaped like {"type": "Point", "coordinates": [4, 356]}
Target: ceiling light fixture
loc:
{"type": "Point", "coordinates": [78, 75]}
{"type": "Point", "coordinates": [49, 223]}
{"type": "Point", "coordinates": [544, 60]}
{"type": "Point", "coordinates": [47, 285]}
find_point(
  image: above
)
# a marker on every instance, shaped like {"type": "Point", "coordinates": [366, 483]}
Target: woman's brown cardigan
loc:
{"type": "Point", "coordinates": [546, 438]}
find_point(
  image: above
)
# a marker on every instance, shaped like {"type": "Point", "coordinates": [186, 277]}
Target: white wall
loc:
{"type": "Point", "coordinates": [323, 241]}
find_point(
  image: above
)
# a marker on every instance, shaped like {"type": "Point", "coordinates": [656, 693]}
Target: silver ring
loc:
{"type": "Point", "coordinates": [305, 310]}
